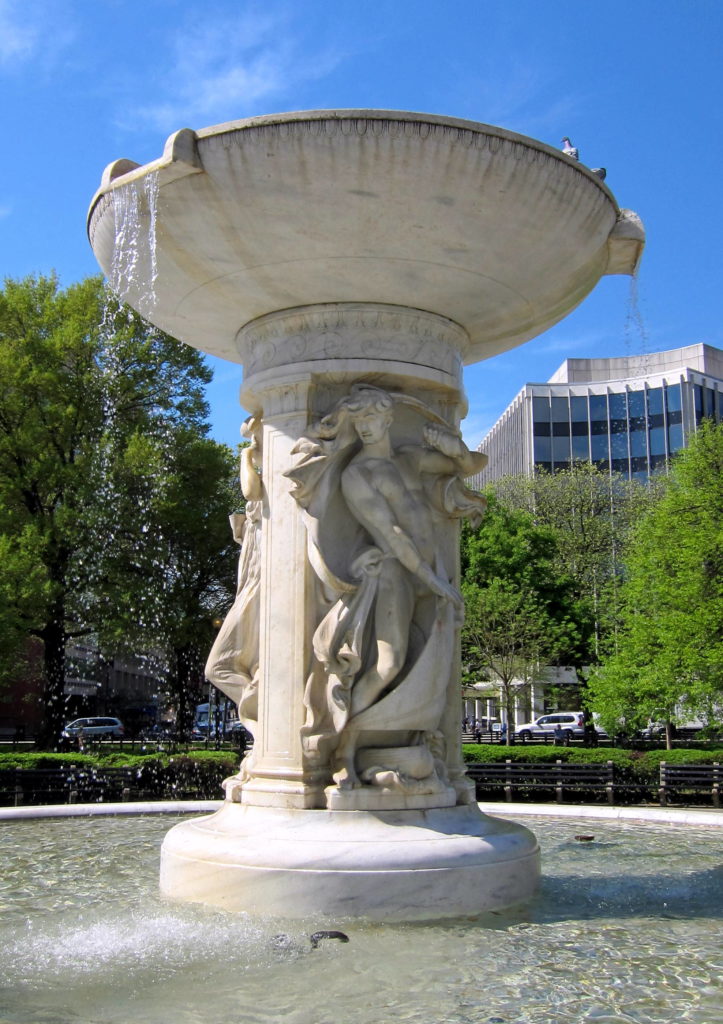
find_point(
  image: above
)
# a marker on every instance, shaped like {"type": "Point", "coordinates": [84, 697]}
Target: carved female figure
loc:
{"type": "Point", "coordinates": [373, 512]}
{"type": "Point", "coordinates": [233, 662]}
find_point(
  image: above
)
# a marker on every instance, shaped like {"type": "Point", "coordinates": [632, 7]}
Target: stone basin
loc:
{"type": "Point", "coordinates": [494, 231]}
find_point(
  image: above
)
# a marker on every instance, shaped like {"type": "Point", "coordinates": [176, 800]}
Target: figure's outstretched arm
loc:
{"type": "Point", "coordinates": [451, 456]}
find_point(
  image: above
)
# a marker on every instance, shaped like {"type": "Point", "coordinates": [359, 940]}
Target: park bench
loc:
{"type": "Point", "coordinates": [560, 778]}
{"type": "Point", "coordinates": [83, 785]}
{"type": "Point", "coordinates": [37, 786]}
{"type": "Point", "coordinates": [679, 779]}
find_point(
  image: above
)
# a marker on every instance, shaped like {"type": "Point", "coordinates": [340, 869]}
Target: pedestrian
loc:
{"type": "Point", "coordinates": [559, 736]}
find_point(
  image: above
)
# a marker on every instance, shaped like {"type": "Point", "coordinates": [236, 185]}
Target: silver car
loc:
{"type": "Point", "coordinates": [572, 724]}
{"type": "Point", "coordinates": [110, 727]}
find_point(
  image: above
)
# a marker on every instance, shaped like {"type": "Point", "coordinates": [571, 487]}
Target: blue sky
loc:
{"type": "Point", "coordinates": [637, 85]}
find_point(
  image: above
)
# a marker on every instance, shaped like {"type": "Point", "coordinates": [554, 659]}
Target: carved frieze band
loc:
{"type": "Point", "coordinates": [352, 331]}
{"type": "Point", "coordinates": [480, 138]}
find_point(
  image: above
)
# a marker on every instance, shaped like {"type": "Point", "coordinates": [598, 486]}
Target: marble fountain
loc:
{"type": "Point", "coordinates": [353, 261]}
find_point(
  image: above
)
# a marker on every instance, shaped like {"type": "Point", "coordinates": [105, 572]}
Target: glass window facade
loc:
{"type": "Point", "coordinates": [632, 432]}
{"type": "Point", "coordinates": [631, 426]}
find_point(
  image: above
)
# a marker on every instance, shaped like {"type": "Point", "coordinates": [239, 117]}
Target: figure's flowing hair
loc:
{"type": "Point", "coordinates": [337, 425]}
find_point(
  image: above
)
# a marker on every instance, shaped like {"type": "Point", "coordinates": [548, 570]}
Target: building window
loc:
{"type": "Point", "coordinates": [655, 407]}
{"type": "Point", "coordinates": [618, 409]}
{"type": "Point", "coordinates": [599, 450]}
{"type": "Point", "coordinates": [598, 408]}
{"type": "Point", "coordinates": [543, 449]}
{"type": "Point", "coordinates": [578, 410]}
{"type": "Point", "coordinates": [657, 441]}
{"type": "Point", "coordinates": [675, 437]}
{"type": "Point", "coordinates": [560, 409]}
{"type": "Point", "coordinates": [540, 408]}
{"type": "Point", "coordinates": [561, 450]}
{"type": "Point", "coordinates": [619, 452]}
{"type": "Point", "coordinates": [580, 445]}
{"type": "Point", "coordinates": [639, 443]}
{"type": "Point", "coordinates": [673, 399]}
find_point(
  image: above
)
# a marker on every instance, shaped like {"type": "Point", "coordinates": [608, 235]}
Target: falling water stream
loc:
{"type": "Point", "coordinates": [135, 263]}
{"type": "Point", "coordinates": [627, 928]}
{"type": "Point", "coordinates": [636, 330]}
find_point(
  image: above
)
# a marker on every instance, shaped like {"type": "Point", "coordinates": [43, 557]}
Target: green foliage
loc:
{"type": "Point", "coordinates": [222, 759]}
{"type": "Point", "coordinates": [32, 759]}
{"type": "Point", "coordinates": [113, 503]}
{"type": "Point", "coordinates": [480, 753]}
{"type": "Point", "coordinates": [24, 585]}
{"type": "Point", "coordinates": [667, 663]}
{"type": "Point", "coordinates": [590, 514]}
{"type": "Point", "coordinates": [650, 760]}
{"type": "Point", "coordinates": [520, 612]}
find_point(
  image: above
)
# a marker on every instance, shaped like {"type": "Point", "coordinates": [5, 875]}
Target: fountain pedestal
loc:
{"type": "Point", "coordinates": [390, 865]}
{"type": "Point", "coordinates": [353, 261]}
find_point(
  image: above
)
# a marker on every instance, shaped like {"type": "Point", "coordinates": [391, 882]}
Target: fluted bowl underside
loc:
{"type": "Point", "coordinates": [495, 231]}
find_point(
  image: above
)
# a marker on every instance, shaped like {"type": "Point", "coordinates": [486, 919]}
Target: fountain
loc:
{"type": "Point", "coordinates": [353, 261]}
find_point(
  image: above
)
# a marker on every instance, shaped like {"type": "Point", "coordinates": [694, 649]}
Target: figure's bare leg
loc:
{"type": "Point", "coordinates": [392, 621]}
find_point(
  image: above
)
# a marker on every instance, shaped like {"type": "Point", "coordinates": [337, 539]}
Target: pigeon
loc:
{"type": "Point", "coordinates": [600, 171]}
{"type": "Point", "coordinates": [569, 150]}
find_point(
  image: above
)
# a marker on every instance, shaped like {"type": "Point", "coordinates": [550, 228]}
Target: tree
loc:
{"type": "Point", "coordinates": [166, 593]}
{"type": "Point", "coordinates": [591, 514]}
{"type": "Point", "coordinates": [520, 612]}
{"type": "Point", "coordinates": [84, 380]}
{"type": "Point", "coordinates": [668, 660]}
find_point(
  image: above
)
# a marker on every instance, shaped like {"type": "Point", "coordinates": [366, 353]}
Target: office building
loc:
{"type": "Point", "coordinates": [628, 415]}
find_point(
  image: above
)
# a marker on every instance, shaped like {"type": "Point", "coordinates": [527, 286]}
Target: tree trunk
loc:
{"type": "Point", "coordinates": [54, 639]}
{"type": "Point", "coordinates": [185, 685]}
{"type": "Point", "coordinates": [510, 711]}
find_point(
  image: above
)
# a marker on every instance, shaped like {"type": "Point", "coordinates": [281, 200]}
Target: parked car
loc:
{"type": "Point", "coordinates": [93, 727]}
{"type": "Point", "coordinates": [572, 724]}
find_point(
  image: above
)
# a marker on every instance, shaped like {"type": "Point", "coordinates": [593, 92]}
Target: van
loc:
{"type": "Point", "coordinates": [93, 727]}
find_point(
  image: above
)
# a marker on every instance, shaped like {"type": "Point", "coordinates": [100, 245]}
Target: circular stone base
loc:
{"type": "Point", "coordinates": [384, 866]}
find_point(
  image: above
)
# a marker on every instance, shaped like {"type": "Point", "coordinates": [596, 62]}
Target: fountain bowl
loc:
{"type": "Point", "coordinates": [497, 232]}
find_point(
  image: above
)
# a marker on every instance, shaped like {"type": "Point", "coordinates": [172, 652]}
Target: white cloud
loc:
{"type": "Point", "coordinates": [34, 32]}
{"type": "Point", "coordinates": [572, 342]}
{"type": "Point", "coordinates": [225, 68]}
{"type": "Point", "coordinates": [19, 32]}
{"type": "Point", "coordinates": [520, 94]}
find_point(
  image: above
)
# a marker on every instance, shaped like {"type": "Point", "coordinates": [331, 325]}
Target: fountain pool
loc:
{"type": "Point", "coordinates": [626, 928]}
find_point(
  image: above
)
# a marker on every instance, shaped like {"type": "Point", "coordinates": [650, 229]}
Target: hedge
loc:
{"type": "Point", "coordinates": [226, 759]}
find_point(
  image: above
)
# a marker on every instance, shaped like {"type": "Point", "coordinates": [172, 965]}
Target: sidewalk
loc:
{"type": "Point", "coordinates": [671, 815]}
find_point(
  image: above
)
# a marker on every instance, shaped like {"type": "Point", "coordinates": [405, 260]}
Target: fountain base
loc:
{"type": "Point", "coordinates": [386, 865]}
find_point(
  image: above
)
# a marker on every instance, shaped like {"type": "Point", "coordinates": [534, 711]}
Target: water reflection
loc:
{"type": "Point", "coordinates": [626, 928]}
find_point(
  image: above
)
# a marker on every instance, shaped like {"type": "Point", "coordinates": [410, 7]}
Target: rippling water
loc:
{"type": "Point", "coordinates": [627, 928]}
